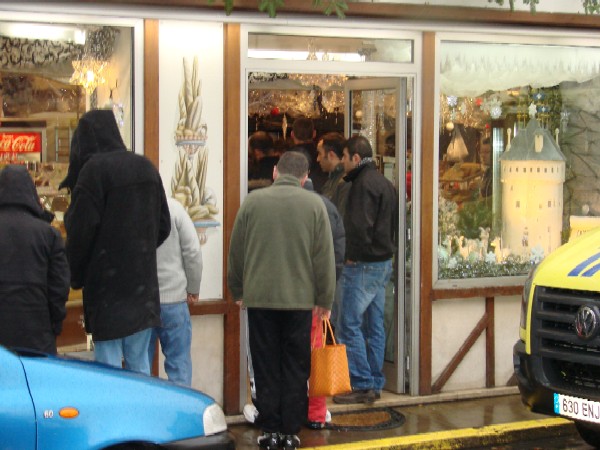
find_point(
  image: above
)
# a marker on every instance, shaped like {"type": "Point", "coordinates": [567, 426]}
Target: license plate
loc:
{"type": "Point", "coordinates": [577, 408]}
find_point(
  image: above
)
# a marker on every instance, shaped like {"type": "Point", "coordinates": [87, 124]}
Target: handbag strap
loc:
{"type": "Point", "coordinates": [328, 327]}
{"type": "Point", "coordinates": [325, 326]}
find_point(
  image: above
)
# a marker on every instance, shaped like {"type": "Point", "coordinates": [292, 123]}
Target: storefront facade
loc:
{"type": "Point", "coordinates": [447, 88]}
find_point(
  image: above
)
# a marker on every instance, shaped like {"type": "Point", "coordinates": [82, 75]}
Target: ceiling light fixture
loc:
{"type": "Point", "coordinates": [322, 81]}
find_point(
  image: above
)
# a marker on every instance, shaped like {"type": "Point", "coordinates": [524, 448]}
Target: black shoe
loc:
{"type": "Point", "coordinates": [377, 395]}
{"type": "Point", "coordinates": [315, 425]}
{"type": "Point", "coordinates": [356, 396]}
{"type": "Point", "coordinates": [290, 442]}
{"type": "Point", "coordinates": [270, 441]}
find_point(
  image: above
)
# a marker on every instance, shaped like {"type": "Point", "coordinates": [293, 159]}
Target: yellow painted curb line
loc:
{"type": "Point", "coordinates": [443, 439]}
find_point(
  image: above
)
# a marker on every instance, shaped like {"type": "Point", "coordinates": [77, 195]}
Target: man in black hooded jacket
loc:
{"type": "Point", "coordinates": [117, 218]}
{"type": "Point", "coordinates": [34, 273]}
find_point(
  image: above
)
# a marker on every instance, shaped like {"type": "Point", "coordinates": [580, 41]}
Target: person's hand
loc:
{"type": "Point", "coordinates": [321, 312]}
{"type": "Point", "coordinates": [240, 303]}
{"type": "Point", "coordinates": [192, 299]}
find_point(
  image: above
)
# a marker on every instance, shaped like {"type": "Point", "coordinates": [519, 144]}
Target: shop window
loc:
{"type": "Point", "coordinates": [50, 75]}
{"type": "Point", "coordinates": [522, 111]}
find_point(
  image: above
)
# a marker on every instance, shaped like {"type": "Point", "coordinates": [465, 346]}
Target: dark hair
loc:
{"type": "Point", "coordinates": [303, 129]}
{"type": "Point", "coordinates": [261, 140]}
{"type": "Point", "coordinates": [334, 142]}
{"type": "Point", "coordinates": [359, 145]}
{"type": "Point", "coordinates": [293, 163]}
{"type": "Point", "coordinates": [300, 149]}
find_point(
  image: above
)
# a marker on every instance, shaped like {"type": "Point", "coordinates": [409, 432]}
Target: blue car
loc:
{"type": "Point", "coordinates": [56, 403]}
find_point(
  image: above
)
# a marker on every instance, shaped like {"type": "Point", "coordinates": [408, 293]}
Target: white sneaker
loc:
{"type": "Point", "coordinates": [328, 416]}
{"type": "Point", "coordinates": [250, 413]}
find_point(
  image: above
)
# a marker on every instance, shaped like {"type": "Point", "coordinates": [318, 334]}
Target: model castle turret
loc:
{"type": "Point", "coordinates": [532, 176]}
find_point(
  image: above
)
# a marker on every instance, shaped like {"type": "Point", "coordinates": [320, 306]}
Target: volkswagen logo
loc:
{"type": "Point", "coordinates": [587, 322]}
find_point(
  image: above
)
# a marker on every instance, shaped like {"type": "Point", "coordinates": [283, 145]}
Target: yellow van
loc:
{"type": "Point", "coordinates": [557, 356]}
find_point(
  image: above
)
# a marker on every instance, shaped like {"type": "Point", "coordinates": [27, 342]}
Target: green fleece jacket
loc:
{"type": "Point", "coordinates": [281, 252]}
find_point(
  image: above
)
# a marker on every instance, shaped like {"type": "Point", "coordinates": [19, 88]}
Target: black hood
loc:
{"type": "Point", "coordinates": [96, 132]}
{"type": "Point", "coordinates": [17, 189]}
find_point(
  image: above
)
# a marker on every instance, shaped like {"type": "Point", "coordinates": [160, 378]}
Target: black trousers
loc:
{"type": "Point", "coordinates": [280, 349]}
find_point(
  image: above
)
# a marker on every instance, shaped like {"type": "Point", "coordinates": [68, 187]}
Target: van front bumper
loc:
{"type": "Point", "coordinates": [535, 389]}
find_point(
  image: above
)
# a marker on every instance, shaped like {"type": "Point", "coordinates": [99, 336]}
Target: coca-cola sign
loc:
{"type": "Point", "coordinates": [14, 144]}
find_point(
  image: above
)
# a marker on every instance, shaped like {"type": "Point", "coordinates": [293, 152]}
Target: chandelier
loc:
{"type": "Point", "coordinates": [91, 66]}
{"type": "Point", "coordinates": [89, 73]}
{"type": "Point", "coordinates": [320, 81]}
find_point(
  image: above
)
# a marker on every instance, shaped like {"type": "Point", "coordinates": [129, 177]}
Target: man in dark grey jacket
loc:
{"type": "Point", "coordinates": [281, 263]}
{"type": "Point", "coordinates": [370, 222]}
{"type": "Point", "coordinates": [117, 218]}
{"type": "Point", "coordinates": [34, 274]}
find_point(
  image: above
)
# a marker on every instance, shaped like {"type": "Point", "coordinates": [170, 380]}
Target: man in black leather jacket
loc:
{"type": "Point", "coordinates": [370, 222]}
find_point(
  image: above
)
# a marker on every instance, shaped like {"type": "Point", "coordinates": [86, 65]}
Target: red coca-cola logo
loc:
{"type": "Point", "coordinates": [20, 142]}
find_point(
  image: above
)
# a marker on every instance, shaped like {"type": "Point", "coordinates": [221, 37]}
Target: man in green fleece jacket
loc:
{"type": "Point", "coordinates": [281, 263]}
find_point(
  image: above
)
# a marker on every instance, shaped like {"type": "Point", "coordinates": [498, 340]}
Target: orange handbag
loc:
{"type": "Point", "coordinates": [329, 373]}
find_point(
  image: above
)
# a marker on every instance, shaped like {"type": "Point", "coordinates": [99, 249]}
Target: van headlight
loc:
{"type": "Point", "coordinates": [213, 420]}
{"type": "Point", "coordinates": [526, 295]}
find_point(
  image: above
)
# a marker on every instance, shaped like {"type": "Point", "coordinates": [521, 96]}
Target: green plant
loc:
{"type": "Point", "coordinates": [531, 3]}
{"type": "Point", "coordinates": [472, 216]}
{"type": "Point", "coordinates": [589, 6]}
{"type": "Point", "coordinates": [339, 7]}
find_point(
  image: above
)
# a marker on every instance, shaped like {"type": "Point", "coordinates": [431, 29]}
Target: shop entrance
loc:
{"type": "Point", "coordinates": [380, 109]}
{"type": "Point", "coordinates": [350, 84]}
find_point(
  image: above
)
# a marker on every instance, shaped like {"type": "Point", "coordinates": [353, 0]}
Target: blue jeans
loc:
{"type": "Point", "coordinates": [175, 336]}
{"type": "Point", "coordinates": [360, 321]}
{"type": "Point", "coordinates": [133, 349]}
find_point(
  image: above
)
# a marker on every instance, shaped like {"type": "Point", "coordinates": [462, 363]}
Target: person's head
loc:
{"type": "Point", "coordinates": [17, 189]}
{"type": "Point", "coordinates": [260, 144]}
{"type": "Point", "coordinates": [330, 150]}
{"type": "Point", "coordinates": [303, 130]}
{"type": "Point", "coordinates": [280, 146]}
{"type": "Point", "coordinates": [357, 148]}
{"type": "Point", "coordinates": [292, 163]}
{"type": "Point", "coordinates": [96, 132]}
{"type": "Point", "coordinates": [485, 151]}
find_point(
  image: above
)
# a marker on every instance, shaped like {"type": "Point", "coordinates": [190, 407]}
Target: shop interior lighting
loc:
{"type": "Point", "coordinates": [322, 81]}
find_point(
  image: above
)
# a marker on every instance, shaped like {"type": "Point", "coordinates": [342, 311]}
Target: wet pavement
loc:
{"type": "Point", "coordinates": [461, 417]}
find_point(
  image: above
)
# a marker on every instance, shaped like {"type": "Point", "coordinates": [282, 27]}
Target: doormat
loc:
{"type": "Point", "coordinates": [366, 420]}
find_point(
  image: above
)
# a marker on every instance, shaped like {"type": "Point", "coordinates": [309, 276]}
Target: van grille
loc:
{"type": "Point", "coordinates": [567, 360]}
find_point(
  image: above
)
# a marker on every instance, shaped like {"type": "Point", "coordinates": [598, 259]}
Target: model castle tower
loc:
{"type": "Point", "coordinates": [532, 175]}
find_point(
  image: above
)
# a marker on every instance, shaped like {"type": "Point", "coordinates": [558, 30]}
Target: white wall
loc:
{"type": "Point", "coordinates": [507, 313]}
{"type": "Point", "coordinates": [453, 321]}
{"type": "Point", "coordinates": [205, 40]}
{"type": "Point", "coordinates": [179, 39]}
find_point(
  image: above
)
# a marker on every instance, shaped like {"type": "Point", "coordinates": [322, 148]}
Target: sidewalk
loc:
{"type": "Point", "coordinates": [465, 419]}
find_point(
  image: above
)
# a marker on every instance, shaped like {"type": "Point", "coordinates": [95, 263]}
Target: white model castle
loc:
{"type": "Point", "coordinates": [532, 175]}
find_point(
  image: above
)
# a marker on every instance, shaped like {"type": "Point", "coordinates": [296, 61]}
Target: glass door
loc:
{"type": "Point", "coordinates": [380, 110]}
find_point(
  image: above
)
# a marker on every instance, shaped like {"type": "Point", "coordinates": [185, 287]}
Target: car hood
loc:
{"type": "Point", "coordinates": [113, 405]}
